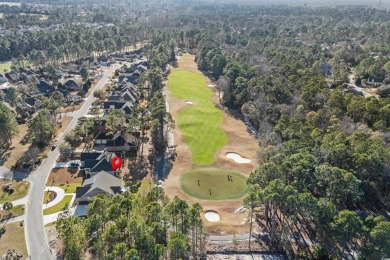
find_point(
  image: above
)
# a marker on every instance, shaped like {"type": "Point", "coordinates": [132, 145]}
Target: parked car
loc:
{"type": "Point", "coordinates": [53, 147]}
{"type": "Point", "coordinates": [159, 183]}
{"type": "Point", "coordinates": [73, 164]}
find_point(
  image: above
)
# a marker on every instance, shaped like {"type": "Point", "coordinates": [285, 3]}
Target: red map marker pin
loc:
{"type": "Point", "coordinates": [116, 162]}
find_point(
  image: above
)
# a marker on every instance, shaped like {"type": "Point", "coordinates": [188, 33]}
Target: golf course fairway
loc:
{"type": "Point", "coordinates": [198, 122]}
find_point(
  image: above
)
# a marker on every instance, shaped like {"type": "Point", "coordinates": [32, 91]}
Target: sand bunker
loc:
{"type": "Point", "coordinates": [212, 216]}
{"type": "Point", "coordinates": [189, 102]}
{"type": "Point", "coordinates": [237, 158]}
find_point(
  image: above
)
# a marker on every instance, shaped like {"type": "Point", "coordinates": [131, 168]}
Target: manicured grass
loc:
{"type": "Point", "coordinates": [5, 66]}
{"type": "Point", "coordinates": [69, 188]}
{"type": "Point", "coordinates": [59, 206]}
{"type": "Point", "coordinates": [13, 238]}
{"type": "Point", "coordinates": [216, 180]}
{"type": "Point", "coordinates": [46, 196]}
{"type": "Point", "coordinates": [16, 211]}
{"type": "Point", "coordinates": [198, 122]}
{"type": "Point", "coordinates": [20, 190]}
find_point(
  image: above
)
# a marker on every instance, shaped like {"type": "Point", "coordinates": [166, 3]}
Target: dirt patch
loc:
{"type": "Point", "coordinates": [239, 141]}
{"type": "Point", "coordinates": [60, 176]}
{"type": "Point", "coordinates": [55, 244]}
{"type": "Point", "coordinates": [22, 148]}
{"type": "Point", "coordinates": [18, 147]}
{"type": "Point", "coordinates": [64, 124]}
{"type": "Point", "coordinates": [13, 239]}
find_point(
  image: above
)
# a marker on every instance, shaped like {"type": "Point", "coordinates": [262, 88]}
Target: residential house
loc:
{"type": "Point", "coordinates": [375, 81]}
{"type": "Point", "coordinates": [93, 163]}
{"type": "Point", "coordinates": [127, 107]}
{"type": "Point", "coordinates": [119, 57]}
{"type": "Point", "coordinates": [3, 79]}
{"type": "Point", "coordinates": [73, 98]}
{"type": "Point", "coordinates": [13, 76]}
{"type": "Point", "coordinates": [100, 125]}
{"type": "Point", "coordinates": [45, 88]}
{"type": "Point", "coordinates": [102, 138]}
{"type": "Point", "coordinates": [26, 71]}
{"type": "Point", "coordinates": [104, 61]}
{"type": "Point", "coordinates": [128, 77]}
{"type": "Point", "coordinates": [71, 85]}
{"type": "Point", "coordinates": [125, 86]}
{"type": "Point", "coordinates": [101, 183]}
{"type": "Point", "coordinates": [33, 102]}
{"type": "Point", "coordinates": [123, 142]}
{"type": "Point", "coordinates": [142, 68]}
{"type": "Point", "coordinates": [126, 96]}
{"type": "Point", "coordinates": [27, 107]}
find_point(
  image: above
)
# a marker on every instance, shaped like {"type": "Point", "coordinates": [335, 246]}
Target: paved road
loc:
{"type": "Point", "coordinates": [37, 244]}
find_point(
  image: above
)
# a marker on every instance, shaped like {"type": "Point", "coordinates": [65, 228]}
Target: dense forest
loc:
{"type": "Point", "coordinates": [131, 226]}
{"type": "Point", "coordinates": [324, 153]}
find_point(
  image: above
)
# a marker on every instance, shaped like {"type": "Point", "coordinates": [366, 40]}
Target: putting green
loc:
{"type": "Point", "coordinates": [198, 122]}
{"type": "Point", "coordinates": [213, 179]}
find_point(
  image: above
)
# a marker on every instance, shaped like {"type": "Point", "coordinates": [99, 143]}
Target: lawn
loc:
{"type": "Point", "coordinates": [20, 190]}
{"type": "Point", "coordinates": [13, 238]}
{"type": "Point", "coordinates": [61, 177]}
{"type": "Point", "coordinates": [215, 180]}
{"type": "Point", "coordinates": [16, 211]}
{"type": "Point", "coordinates": [5, 66]}
{"type": "Point", "coordinates": [70, 187]}
{"type": "Point", "coordinates": [59, 206]}
{"type": "Point", "coordinates": [198, 122]}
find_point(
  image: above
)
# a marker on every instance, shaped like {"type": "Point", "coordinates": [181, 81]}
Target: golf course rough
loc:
{"type": "Point", "coordinates": [200, 122]}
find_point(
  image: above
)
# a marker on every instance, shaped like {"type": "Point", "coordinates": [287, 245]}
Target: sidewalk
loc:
{"type": "Point", "coordinates": [18, 202]}
{"type": "Point", "coordinates": [54, 217]}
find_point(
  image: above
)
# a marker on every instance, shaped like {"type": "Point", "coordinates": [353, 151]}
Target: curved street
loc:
{"type": "Point", "coordinates": [36, 240]}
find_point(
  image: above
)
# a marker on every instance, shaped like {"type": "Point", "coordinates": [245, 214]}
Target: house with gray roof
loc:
{"type": "Point", "coordinates": [101, 183]}
{"type": "Point", "coordinates": [93, 163]}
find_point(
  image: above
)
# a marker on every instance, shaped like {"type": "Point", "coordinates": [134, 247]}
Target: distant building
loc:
{"type": "Point", "coordinates": [375, 81]}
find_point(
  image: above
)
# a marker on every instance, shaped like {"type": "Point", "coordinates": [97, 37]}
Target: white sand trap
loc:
{"type": "Point", "coordinates": [212, 216]}
{"type": "Point", "coordinates": [237, 158]}
{"type": "Point", "coordinates": [189, 102]}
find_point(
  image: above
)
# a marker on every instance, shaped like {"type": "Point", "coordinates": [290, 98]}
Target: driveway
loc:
{"type": "Point", "coordinates": [66, 164]}
{"type": "Point", "coordinates": [36, 240]}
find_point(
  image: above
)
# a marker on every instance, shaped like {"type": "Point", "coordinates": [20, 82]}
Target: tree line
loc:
{"type": "Point", "coordinates": [133, 226]}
